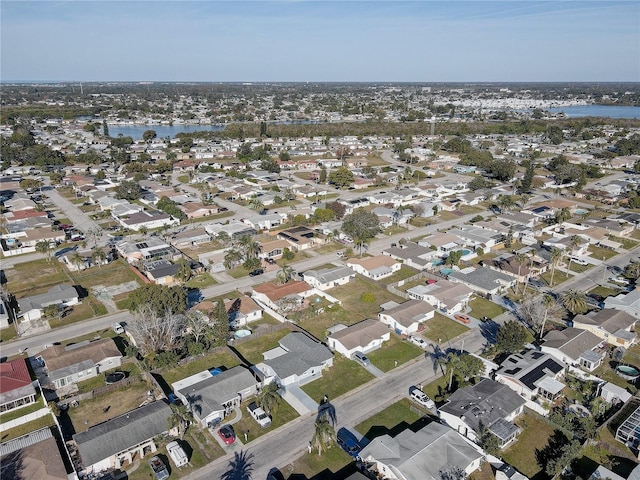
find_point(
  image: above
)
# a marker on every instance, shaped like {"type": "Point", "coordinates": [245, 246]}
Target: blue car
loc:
{"type": "Point", "coordinates": [348, 442]}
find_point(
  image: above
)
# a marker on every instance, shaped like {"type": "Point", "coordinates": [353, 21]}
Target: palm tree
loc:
{"type": "Point", "coordinates": [324, 434]}
{"type": "Point", "coordinates": [232, 258]}
{"type": "Point", "coordinates": [632, 271]}
{"type": "Point", "coordinates": [143, 230]}
{"type": "Point", "coordinates": [44, 247]}
{"type": "Point", "coordinates": [256, 204]}
{"type": "Point", "coordinates": [556, 255]}
{"type": "Point", "coordinates": [451, 363]}
{"type": "Point", "coordinates": [269, 398]}
{"type": "Point", "coordinates": [524, 199]}
{"type": "Point", "coordinates": [184, 270]}
{"type": "Point", "coordinates": [76, 259]}
{"type": "Point", "coordinates": [547, 302]}
{"type": "Point", "coordinates": [180, 418]}
{"type": "Point", "coordinates": [223, 238]}
{"type": "Point", "coordinates": [575, 241]}
{"type": "Point", "coordinates": [285, 274]}
{"type": "Point", "coordinates": [575, 301]}
{"type": "Point", "coordinates": [98, 256]}
{"type": "Point", "coordinates": [521, 259]}
{"type": "Point", "coordinates": [249, 246]}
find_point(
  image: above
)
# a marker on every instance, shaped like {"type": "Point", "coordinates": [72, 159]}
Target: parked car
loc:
{"type": "Point", "coordinates": [619, 280]}
{"type": "Point", "coordinates": [340, 254]}
{"type": "Point", "coordinates": [159, 468]}
{"type": "Point", "coordinates": [259, 415]}
{"type": "Point", "coordinates": [270, 261]}
{"type": "Point", "coordinates": [256, 272]}
{"type": "Point", "coordinates": [419, 342]}
{"type": "Point", "coordinates": [361, 358]}
{"type": "Point", "coordinates": [461, 317]}
{"type": "Point", "coordinates": [348, 442]}
{"type": "Point", "coordinates": [118, 328]}
{"type": "Point", "coordinates": [579, 260]}
{"type": "Point", "coordinates": [420, 397]}
{"type": "Point", "coordinates": [227, 434]}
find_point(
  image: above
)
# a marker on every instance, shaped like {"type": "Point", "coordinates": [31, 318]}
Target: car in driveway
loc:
{"type": "Point", "coordinates": [348, 442]}
{"type": "Point", "coordinates": [361, 358]}
{"type": "Point", "coordinates": [227, 435]}
{"type": "Point", "coordinates": [421, 398]}
{"type": "Point", "coordinates": [579, 260]}
{"type": "Point", "coordinates": [461, 317]}
{"type": "Point", "coordinates": [118, 328]}
{"type": "Point", "coordinates": [419, 341]}
{"type": "Point", "coordinates": [259, 415]}
{"type": "Point", "coordinates": [256, 272]}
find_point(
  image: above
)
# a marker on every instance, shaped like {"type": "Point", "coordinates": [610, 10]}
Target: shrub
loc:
{"type": "Point", "coordinates": [368, 297]}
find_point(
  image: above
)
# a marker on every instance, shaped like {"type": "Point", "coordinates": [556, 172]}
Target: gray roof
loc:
{"type": "Point", "coordinates": [360, 334]}
{"type": "Point", "coordinates": [54, 296]}
{"type": "Point", "coordinates": [573, 342]}
{"type": "Point", "coordinates": [483, 278]}
{"type": "Point", "coordinates": [484, 403]}
{"type": "Point", "coordinates": [530, 367]}
{"type": "Point", "coordinates": [162, 268]}
{"type": "Point", "coordinates": [608, 319]}
{"type": "Point", "coordinates": [423, 454]}
{"type": "Point", "coordinates": [302, 353]}
{"type": "Point", "coordinates": [208, 395]}
{"type": "Point", "coordinates": [410, 312]}
{"type": "Point", "coordinates": [119, 434]}
{"type": "Point", "coordinates": [327, 275]}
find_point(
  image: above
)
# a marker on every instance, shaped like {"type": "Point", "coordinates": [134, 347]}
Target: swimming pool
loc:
{"type": "Point", "coordinates": [436, 262]}
{"type": "Point", "coordinates": [581, 211]}
{"type": "Point", "coordinates": [465, 252]}
{"type": "Point", "coordinates": [446, 271]}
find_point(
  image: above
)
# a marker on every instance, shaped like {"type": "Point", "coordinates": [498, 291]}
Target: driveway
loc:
{"type": "Point", "coordinates": [375, 371]}
{"type": "Point", "coordinates": [300, 401]}
{"type": "Point", "coordinates": [79, 219]}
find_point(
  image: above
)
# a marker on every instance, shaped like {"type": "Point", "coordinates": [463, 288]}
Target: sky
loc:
{"type": "Point", "coordinates": [318, 41]}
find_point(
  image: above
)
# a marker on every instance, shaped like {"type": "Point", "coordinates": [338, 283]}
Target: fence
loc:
{"type": "Point", "coordinates": [96, 392]}
{"type": "Point", "coordinates": [29, 417]}
{"type": "Point", "coordinates": [392, 287]}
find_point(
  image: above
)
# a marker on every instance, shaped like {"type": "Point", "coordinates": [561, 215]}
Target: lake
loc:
{"type": "Point", "coordinates": [610, 111]}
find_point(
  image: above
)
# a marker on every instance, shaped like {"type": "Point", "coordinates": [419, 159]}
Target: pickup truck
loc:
{"type": "Point", "coordinates": [159, 468]}
{"type": "Point", "coordinates": [259, 415]}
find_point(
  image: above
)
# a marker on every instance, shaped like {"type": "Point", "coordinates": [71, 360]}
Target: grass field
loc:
{"type": "Point", "coordinates": [392, 420]}
{"type": "Point", "coordinates": [20, 430]}
{"type": "Point", "coordinates": [522, 454]}
{"type": "Point", "coordinates": [558, 277]}
{"type": "Point", "coordinates": [442, 328]}
{"type": "Point", "coordinates": [601, 253]}
{"type": "Point", "coordinates": [201, 281]}
{"type": "Point", "coordinates": [253, 349]}
{"type": "Point", "coordinates": [219, 359]}
{"type": "Point", "coordinates": [404, 272]}
{"type": "Point", "coordinates": [332, 464]}
{"type": "Point", "coordinates": [281, 416]}
{"type": "Point", "coordinates": [395, 350]}
{"type": "Point", "coordinates": [343, 376]}
{"type": "Point", "coordinates": [481, 307]}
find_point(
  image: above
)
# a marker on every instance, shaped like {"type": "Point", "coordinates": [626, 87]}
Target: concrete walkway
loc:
{"type": "Point", "coordinates": [300, 401]}
{"type": "Point", "coordinates": [375, 371]}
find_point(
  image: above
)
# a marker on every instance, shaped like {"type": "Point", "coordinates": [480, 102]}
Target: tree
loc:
{"type": "Point", "coordinates": [76, 259]}
{"type": "Point", "coordinates": [29, 184]}
{"type": "Point", "coordinates": [129, 190]}
{"type": "Point", "coordinates": [341, 177]}
{"type": "Point", "coordinates": [232, 259]}
{"type": "Point", "coordinates": [361, 225]}
{"type": "Point", "coordinates": [155, 332]}
{"type": "Point", "coordinates": [270, 165]}
{"type": "Point", "coordinates": [180, 418]}
{"type": "Point", "coordinates": [285, 274]}
{"type": "Point", "coordinates": [323, 174]}
{"type": "Point", "coordinates": [461, 365]}
{"type": "Point", "coordinates": [488, 441]}
{"type": "Point", "coordinates": [44, 247]}
{"type": "Point", "coordinates": [511, 337]}
{"type": "Point", "coordinates": [51, 311]}
{"type": "Point", "coordinates": [454, 257]}
{"type": "Point", "coordinates": [256, 204]}
{"type": "Point", "coordinates": [631, 271]}
{"type": "Point", "coordinates": [249, 247]}
{"type": "Point", "coordinates": [338, 209]}
{"type": "Point", "coordinates": [527, 179]}
{"type": "Point", "coordinates": [556, 255]}
{"type": "Point", "coordinates": [269, 398]}
{"type": "Point", "coordinates": [105, 128]}
{"type": "Point", "coordinates": [287, 254]}
{"type": "Point", "coordinates": [520, 259]}
{"type": "Point", "coordinates": [506, 203]}
{"type": "Point", "coordinates": [184, 270]}
{"type": "Point", "coordinates": [159, 298]}
{"type": "Point", "coordinates": [324, 434]}
{"type": "Point", "coordinates": [575, 301]}
{"type": "Point", "coordinates": [55, 178]}
{"type": "Point", "coordinates": [149, 135]}
{"type": "Point", "coordinates": [547, 302]}
{"type": "Point", "coordinates": [98, 256]}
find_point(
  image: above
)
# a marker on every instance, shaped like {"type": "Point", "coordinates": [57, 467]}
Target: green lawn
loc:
{"type": "Point", "coordinates": [343, 376]}
{"type": "Point", "coordinates": [283, 415]}
{"type": "Point", "coordinates": [320, 467]}
{"type": "Point", "coordinates": [574, 267]}
{"type": "Point", "coordinates": [201, 281]}
{"type": "Point", "coordinates": [558, 277]}
{"type": "Point", "coordinates": [252, 350]}
{"type": "Point", "coordinates": [8, 333]}
{"type": "Point", "coordinates": [535, 436]}
{"type": "Point", "coordinates": [404, 272]}
{"type": "Point", "coordinates": [601, 253]}
{"type": "Point", "coordinates": [481, 307]}
{"type": "Point", "coordinates": [627, 243]}
{"type": "Point", "coordinates": [219, 359]}
{"type": "Point", "coordinates": [33, 278]}
{"type": "Point", "coordinates": [21, 412]}
{"type": "Point", "coordinates": [20, 430]}
{"type": "Point", "coordinates": [395, 350]}
{"type": "Point", "coordinates": [392, 420]}
{"type": "Point", "coordinates": [605, 291]}
{"type": "Point", "coordinates": [131, 368]}
{"type": "Point", "coordinates": [442, 328]}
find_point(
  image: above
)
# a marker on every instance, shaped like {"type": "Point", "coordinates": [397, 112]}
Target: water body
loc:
{"type": "Point", "coordinates": [162, 131]}
{"type": "Point", "coordinates": [610, 111]}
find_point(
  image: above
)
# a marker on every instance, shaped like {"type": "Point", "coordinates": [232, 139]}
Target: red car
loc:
{"type": "Point", "coordinates": [227, 434]}
{"type": "Point", "coordinates": [461, 317]}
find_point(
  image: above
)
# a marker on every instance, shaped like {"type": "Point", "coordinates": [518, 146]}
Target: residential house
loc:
{"type": "Point", "coordinates": [242, 311]}
{"type": "Point", "coordinates": [616, 327]}
{"type": "Point", "coordinates": [161, 272]}
{"type": "Point", "coordinates": [407, 317]}
{"type": "Point", "coordinates": [299, 359]}
{"type": "Point", "coordinates": [442, 243]}
{"type": "Point", "coordinates": [532, 374]}
{"type": "Point", "coordinates": [67, 365]}
{"type": "Point", "coordinates": [198, 209]}
{"type": "Point", "coordinates": [508, 263]}
{"type": "Point", "coordinates": [232, 229]}
{"type": "Point", "coordinates": [148, 220]}
{"type": "Point", "coordinates": [612, 393]}
{"type": "Point", "coordinates": [301, 238]}
{"type": "Point", "coordinates": [266, 222]}
{"type": "Point", "coordinates": [476, 238]}
{"type": "Point", "coordinates": [212, 395]}
{"type": "Point", "coordinates": [575, 347]}
{"type": "Point", "coordinates": [273, 249]}
{"type": "Point", "coordinates": [279, 297]}
{"type": "Point", "coordinates": [421, 455]}
{"type": "Point", "coordinates": [34, 456]}
{"type": "Point", "coordinates": [327, 278]}
{"type": "Point", "coordinates": [378, 267]}
{"type": "Point", "coordinates": [32, 308]}
{"type": "Point", "coordinates": [363, 336]}
{"type": "Point", "coordinates": [117, 442]}
{"type": "Point", "coordinates": [487, 404]}
{"type": "Point", "coordinates": [627, 302]}
{"type": "Point", "coordinates": [443, 295]}
{"type": "Point", "coordinates": [16, 387]}
{"type": "Point", "coordinates": [483, 280]}
{"type": "Point", "coordinates": [412, 255]}
{"type": "Point", "coordinates": [190, 238]}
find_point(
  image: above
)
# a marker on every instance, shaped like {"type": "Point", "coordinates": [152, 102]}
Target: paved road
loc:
{"type": "Point", "coordinates": [78, 218]}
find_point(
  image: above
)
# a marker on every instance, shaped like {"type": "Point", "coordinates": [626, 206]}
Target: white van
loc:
{"type": "Point", "coordinates": [177, 454]}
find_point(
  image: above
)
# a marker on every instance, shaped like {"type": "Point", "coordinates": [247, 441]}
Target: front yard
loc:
{"type": "Point", "coordinates": [394, 353]}
{"type": "Point", "coordinates": [441, 328]}
{"type": "Point", "coordinates": [534, 437]}
{"type": "Point", "coordinates": [218, 359]}
{"type": "Point", "coordinates": [283, 414]}
{"type": "Point", "coordinates": [392, 420]}
{"type": "Point", "coordinates": [481, 307]}
{"type": "Point", "coordinates": [343, 376]}
{"type": "Point", "coordinates": [252, 350]}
